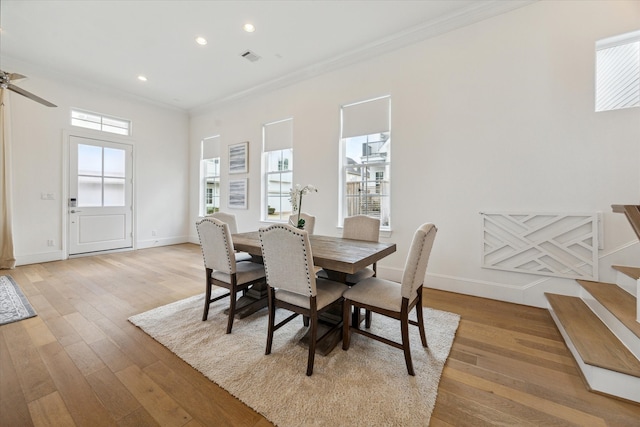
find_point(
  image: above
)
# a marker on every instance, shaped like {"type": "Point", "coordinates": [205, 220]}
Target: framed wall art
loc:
{"type": "Point", "coordinates": [238, 193]}
{"type": "Point", "coordinates": [238, 154]}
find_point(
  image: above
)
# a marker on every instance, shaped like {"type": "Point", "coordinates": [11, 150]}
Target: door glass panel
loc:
{"type": "Point", "coordinates": [89, 160]}
{"type": "Point", "coordinates": [114, 191]}
{"type": "Point", "coordinates": [114, 162]}
{"type": "Point", "coordinates": [89, 191]}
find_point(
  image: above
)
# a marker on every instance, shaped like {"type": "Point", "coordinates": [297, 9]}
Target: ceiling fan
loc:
{"type": "Point", "coordinates": [5, 83]}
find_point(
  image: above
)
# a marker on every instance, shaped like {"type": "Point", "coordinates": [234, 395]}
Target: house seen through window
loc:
{"type": "Point", "coordinates": [210, 176]}
{"type": "Point", "coordinates": [278, 170]}
{"type": "Point", "coordinates": [366, 160]}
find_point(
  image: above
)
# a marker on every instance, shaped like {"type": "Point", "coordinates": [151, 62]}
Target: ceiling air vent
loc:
{"type": "Point", "coordinates": [251, 56]}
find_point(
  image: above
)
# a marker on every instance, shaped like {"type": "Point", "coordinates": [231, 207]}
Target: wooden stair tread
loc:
{"type": "Point", "coordinates": [632, 213]}
{"type": "Point", "coordinates": [615, 299]}
{"type": "Point", "coordinates": [633, 272]}
{"type": "Point", "coordinates": [595, 343]}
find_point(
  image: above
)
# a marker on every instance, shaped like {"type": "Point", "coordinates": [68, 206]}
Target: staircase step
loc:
{"type": "Point", "coordinates": [595, 343]}
{"type": "Point", "coordinates": [615, 299]}
{"type": "Point", "coordinates": [633, 272]}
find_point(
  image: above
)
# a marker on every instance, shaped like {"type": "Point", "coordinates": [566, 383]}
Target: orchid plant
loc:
{"type": "Point", "coordinates": [295, 197]}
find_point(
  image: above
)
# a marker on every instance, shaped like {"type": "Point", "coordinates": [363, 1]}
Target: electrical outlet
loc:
{"type": "Point", "coordinates": [154, 233]}
{"type": "Point", "coordinates": [50, 242]}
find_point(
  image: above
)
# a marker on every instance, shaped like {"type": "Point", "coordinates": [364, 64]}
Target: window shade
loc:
{"type": "Point", "coordinates": [617, 75]}
{"type": "Point", "coordinates": [278, 135]}
{"type": "Point", "coordinates": [366, 118]}
{"type": "Point", "coordinates": [211, 147]}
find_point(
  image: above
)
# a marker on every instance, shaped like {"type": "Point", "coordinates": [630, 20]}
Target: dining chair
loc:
{"type": "Point", "coordinates": [233, 227]}
{"type": "Point", "coordinates": [360, 227]}
{"type": "Point", "coordinates": [392, 299]}
{"type": "Point", "coordinates": [309, 221]}
{"type": "Point", "coordinates": [221, 267]}
{"type": "Point", "coordinates": [292, 285]}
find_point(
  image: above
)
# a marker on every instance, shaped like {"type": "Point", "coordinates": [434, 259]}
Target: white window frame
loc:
{"type": "Point", "coordinates": [277, 139]}
{"type": "Point", "coordinates": [617, 82]}
{"type": "Point", "coordinates": [210, 152]}
{"type": "Point", "coordinates": [369, 119]}
{"type": "Point", "coordinates": [211, 179]}
{"type": "Point", "coordinates": [100, 122]}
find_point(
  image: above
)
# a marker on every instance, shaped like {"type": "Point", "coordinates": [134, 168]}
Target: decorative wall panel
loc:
{"type": "Point", "coordinates": [550, 244]}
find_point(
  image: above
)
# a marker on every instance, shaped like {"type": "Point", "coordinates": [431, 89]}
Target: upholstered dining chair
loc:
{"type": "Point", "coordinates": [309, 221]}
{"type": "Point", "coordinates": [392, 299]}
{"type": "Point", "coordinates": [360, 227]}
{"type": "Point", "coordinates": [292, 284]}
{"type": "Point", "coordinates": [221, 267]}
{"type": "Point", "coordinates": [233, 227]}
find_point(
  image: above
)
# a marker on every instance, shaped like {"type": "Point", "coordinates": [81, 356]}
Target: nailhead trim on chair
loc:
{"type": "Point", "coordinates": [295, 231]}
{"type": "Point", "coordinates": [226, 242]}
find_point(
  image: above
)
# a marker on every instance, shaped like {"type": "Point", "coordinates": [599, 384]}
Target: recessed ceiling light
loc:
{"type": "Point", "coordinates": [249, 28]}
{"type": "Point", "coordinates": [201, 41]}
{"type": "Point", "coordinates": [142, 78]}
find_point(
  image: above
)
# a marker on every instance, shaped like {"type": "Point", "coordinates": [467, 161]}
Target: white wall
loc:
{"type": "Point", "coordinates": [39, 141]}
{"type": "Point", "coordinates": [497, 116]}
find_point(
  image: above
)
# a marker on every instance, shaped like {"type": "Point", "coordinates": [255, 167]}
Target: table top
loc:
{"type": "Point", "coordinates": [330, 253]}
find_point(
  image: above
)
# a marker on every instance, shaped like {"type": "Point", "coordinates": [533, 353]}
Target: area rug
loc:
{"type": "Point", "coordinates": [14, 305]}
{"type": "Point", "coordinates": [367, 385]}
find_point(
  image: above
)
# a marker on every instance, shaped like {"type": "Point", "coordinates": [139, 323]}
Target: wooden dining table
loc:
{"type": "Point", "coordinates": [336, 255]}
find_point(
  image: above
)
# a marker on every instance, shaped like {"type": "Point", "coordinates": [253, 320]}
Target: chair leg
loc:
{"type": "Point", "coordinates": [232, 309]}
{"type": "Point", "coordinates": [367, 319]}
{"type": "Point", "coordinates": [272, 319]}
{"type": "Point", "coordinates": [305, 321]}
{"type": "Point", "coordinates": [207, 301]}
{"type": "Point", "coordinates": [423, 336]}
{"type": "Point", "coordinates": [404, 326]}
{"type": "Point", "coordinates": [346, 312]}
{"type": "Point", "coordinates": [312, 344]}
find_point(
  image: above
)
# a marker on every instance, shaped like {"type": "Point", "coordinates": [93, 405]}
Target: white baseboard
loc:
{"type": "Point", "coordinates": [41, 257]}
{"type": "Point", "coordinates": [165, 241]}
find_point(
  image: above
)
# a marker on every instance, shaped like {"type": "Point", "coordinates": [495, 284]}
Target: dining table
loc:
{"type": "Point", "coordinates": [338, 257]}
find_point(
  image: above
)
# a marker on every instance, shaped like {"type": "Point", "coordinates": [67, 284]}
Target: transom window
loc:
{"type": "Point", "coordinates": [96, 121]}
{"type": "Point", "coordinates": [366, 160]}
{"type": "Point", "coordinates": [278, 170]}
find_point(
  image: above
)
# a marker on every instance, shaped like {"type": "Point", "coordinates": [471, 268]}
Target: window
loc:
{"type": "Point", "coordinates": [618, 72]}
{"type": "Point", "coordinates": [366, 161]}
{"type": "Point", "coordinates": [101, 176]}
{"type": "Point", "coordinates": [278, 170]}
{"type": "Point", "coordinates": [210, 176]}
{"type": "Point", "coordinates": [100, 122]}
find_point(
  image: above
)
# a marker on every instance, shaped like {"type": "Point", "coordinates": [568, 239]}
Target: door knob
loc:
{"type": "Point", "coordinates": [74, 211]}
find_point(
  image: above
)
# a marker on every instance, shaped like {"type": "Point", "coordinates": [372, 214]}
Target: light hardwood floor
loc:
{"type": "Point", "coordinates": [80, 362]}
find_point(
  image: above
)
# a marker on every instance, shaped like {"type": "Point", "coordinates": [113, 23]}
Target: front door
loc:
{"type": "Point", "coordinates": [100, 195]}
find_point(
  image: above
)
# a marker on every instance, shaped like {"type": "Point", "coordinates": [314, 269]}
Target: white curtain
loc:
{"type": "Point", "coordinates": [7, 256]}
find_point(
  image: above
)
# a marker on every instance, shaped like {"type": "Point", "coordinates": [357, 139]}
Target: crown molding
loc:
{"type": "Point", "coordinates": [476, 12]}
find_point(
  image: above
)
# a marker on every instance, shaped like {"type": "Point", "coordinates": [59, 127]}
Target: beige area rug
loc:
{"type": "Point", "coordinates": [367, 385]}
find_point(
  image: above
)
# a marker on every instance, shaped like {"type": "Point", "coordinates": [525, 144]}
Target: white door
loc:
{"type": "Point", "coordinates": [100, 195]}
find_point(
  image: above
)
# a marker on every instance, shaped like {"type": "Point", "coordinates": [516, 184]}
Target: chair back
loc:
{"type": "Point", "coordinates": [361, 227]}
{"type": "Point", "coordinates": [416, 265]}
{"type": "Point", "coordinates": [288, 262]}
{"type": "Point", "coordinates": [217, 246]}
{"type": "Point", "coordinates": [228, 218]}
{"type": "Point", "coordinates": [309, 221]}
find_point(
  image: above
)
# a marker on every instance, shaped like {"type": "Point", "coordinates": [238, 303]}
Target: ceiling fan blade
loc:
{"type": "Point", "coordinates": [16, 76]}
{"type": "Point", "coordinates": [30, 95]}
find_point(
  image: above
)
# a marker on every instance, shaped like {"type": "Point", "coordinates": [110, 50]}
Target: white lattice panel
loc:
{"type": "Point", "coordinates": [556, 244]}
